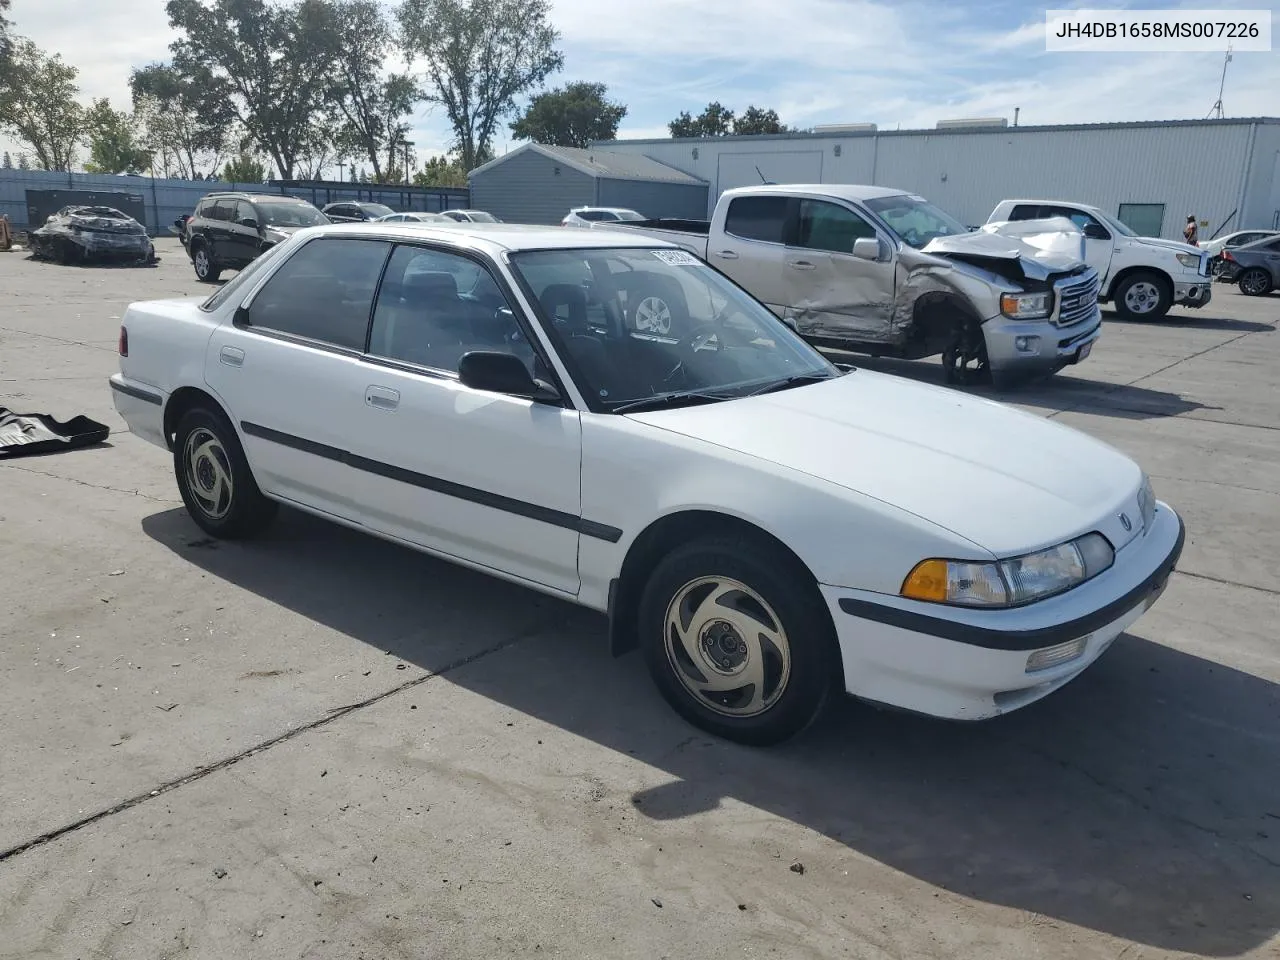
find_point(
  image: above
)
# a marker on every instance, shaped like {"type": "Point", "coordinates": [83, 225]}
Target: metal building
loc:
{"type": "Point", "coordinates": [1152, 175]}
{"type": "Point", "coordinates": [540, 184]}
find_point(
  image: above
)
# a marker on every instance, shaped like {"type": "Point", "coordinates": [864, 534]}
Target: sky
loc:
{"type": "Point", "coordinates": [902, 64]}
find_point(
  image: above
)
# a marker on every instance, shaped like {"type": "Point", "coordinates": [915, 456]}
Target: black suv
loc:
{"type": "Point", "coordinates": [228, 230]}
{"type": "Point", "coordinates": [353, 211]}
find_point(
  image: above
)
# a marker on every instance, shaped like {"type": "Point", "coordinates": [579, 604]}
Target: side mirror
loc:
{"type": "Point", "coordinates": [502, 373]}
{"type": "Point", "coordinates": [249, 222]}
{"type": "Point", "coordinates": [1093, 231]}
{"type": "Point", "coordinates": [866, 248]}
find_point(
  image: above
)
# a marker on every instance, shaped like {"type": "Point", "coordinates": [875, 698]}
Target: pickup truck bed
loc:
{"type": "Point", "coordinates": [691, 234]}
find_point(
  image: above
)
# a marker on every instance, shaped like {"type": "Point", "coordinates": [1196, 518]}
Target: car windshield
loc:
{"type": "Point", "coordinates": [283, 213]}
{"type": "Point", "coordinates": [376, 209]}
{"type": "Point", "coordinates": [915, 219]}
{"type": "Point", "coordinates": [654, 328]}
{"type": "Point", "coordinates": [1114, 224]}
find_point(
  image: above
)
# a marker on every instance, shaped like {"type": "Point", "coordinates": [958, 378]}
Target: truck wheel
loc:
{"type": "Point", "coordinates": [207, 269]}
{"type": "Point", "coordinates": [1143, 296]}
{"type": "Point", "coordinates": [214, 478]}
{"type": "Point", "coordinates": [737, 642]}
{"type": "Point", "coordinates": [1255, 282]}
{"type": "Point", "coordinates": [658, 311]}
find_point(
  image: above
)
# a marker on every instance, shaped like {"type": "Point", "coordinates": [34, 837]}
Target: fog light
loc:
{"type": "Point", "coordinates": [1056, 656]}
{"type": "Point", "coordinates": [1026, 344]}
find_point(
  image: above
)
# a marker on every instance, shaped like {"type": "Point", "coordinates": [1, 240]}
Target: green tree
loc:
{"type": "Point", "coordinates": [186, 121]}
{"type": "Point", "coordinates": [479, 56]}
{"type": "Point", "coordinates": [244, 169]}
{"type": "Point", "coordinates": [756, 121]}
{"type": "Point", "coordinates": [38, 105]}
{"type": "Point", "coordinates": [113, 141]}
{"type": "Point", "coordinates": [442, 171]}
{"type": "Point", "coordinates": [272, 63]}
{"type": "Point", "coordinates": [714, 121]}
{"type": "Point", "coordinates": [7, 162]}
{"type": "Point", "coordinates": [371, 105]}
{"type": "Point", "coordinates": [24, 162]}
{"type": "Point", "coordinates": [574, 115]}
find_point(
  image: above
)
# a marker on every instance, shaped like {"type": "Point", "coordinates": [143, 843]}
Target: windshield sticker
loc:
{"type": "Point", "coordinates": [676, 258]}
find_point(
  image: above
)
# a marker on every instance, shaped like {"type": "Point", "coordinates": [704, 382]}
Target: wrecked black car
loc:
{"type": "Point", "coordinates": [84, 234]}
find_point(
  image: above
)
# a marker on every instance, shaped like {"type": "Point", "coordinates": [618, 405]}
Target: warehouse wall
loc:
{"type": "Point", "coordinates": [528, 189]}
{"type": "Point", "coordinates": [654, 198]}
{"type": "Point", "coordinates": [1262, 195]}
{"type": "Point", "coordinates": [1191, 168]}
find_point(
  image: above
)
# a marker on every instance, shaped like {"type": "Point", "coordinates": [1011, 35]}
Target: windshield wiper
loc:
{"type": "Point", "coordinates": [786, 383]}
{"type": "Point", "coordinates": [664, 401]}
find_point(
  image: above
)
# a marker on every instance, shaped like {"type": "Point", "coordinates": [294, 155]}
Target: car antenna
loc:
{"type": "Point", "coordinates": [767, 183]}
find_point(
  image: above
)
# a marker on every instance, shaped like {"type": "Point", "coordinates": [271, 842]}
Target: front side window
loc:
{"type": "Point", "coordinates": [434, 307]}
{"type": "Point", "coordinates": [658, 327]}
{"type": "Point", "coordinates": [757, 218]}
{"type": "Point", "coordinates": [630, 215]}
{"type": "Point", "coordinates": [323, 292]}
{"type": "Point", "coordinates": [372, 210]}
{"type": "Point", "coordinates": [915, 219]}
{"type": "Point", "coordinates": [224, 210]}
{"type": "Point", "coordinates": [829, 226]}
{"type": "Point", "coordinates": [594, 216]}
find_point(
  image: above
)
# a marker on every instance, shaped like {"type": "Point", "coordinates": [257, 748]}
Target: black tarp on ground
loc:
{"type": "Point", "coordinates": [24, 434]}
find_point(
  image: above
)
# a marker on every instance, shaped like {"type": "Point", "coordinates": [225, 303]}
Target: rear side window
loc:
{"type": "Point", "coordinates": [757, 218]}
{"type": "Point", "coordinates": [324, 292]}
{"type": "Point", "coordinates": [1025, 211]}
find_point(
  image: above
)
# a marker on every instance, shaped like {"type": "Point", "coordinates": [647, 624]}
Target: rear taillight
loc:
{"type": "Point", "coordinates": [124, 342]}
{"type": "Point", "coordinates": [1226, 255]}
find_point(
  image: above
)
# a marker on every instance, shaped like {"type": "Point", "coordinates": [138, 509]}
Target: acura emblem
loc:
{"type": "Point", "coordinates": [1126, 522]}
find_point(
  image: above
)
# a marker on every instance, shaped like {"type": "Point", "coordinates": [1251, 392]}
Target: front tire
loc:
{"type": "Point", "coordinates": [214, 478]}
{"type": "Point", "coordinates": [1255, 282]}
{"type": "Point", "coordinates": [207, 269]}
{"type": "Point", "coordinates": [1143, 296]}
{"type": "Point", "coordinates": [738, 640]}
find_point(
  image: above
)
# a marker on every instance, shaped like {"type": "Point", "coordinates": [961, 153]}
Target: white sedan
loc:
{"type": "Point", "coordinates": [768, 528]}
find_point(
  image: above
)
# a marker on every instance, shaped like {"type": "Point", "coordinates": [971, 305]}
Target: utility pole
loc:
{"type": "Point", "coordinates": [1216, 110]}
{"type": "Point", "coordinates": [341, 167]}
{"type": "Point", "coordinates": [407, 144]}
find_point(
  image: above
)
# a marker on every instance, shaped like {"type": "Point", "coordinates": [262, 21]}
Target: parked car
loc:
{"type": "Point", "coordinates": [766, 526]}
{"type": "Point", "coordinates": [230, 230]}
{"type": "Point", "coordinates": [413, 217]}
{"type": "Point", "coordinates": [1255, 268]}
{"type": "Point", "coordinates": [1143, 276]}
{"type": "Point", "coordinates": [89, 234]}
{"type": "Point", "coordinates": [469, 216]}
{"type": "Point", "coordinates": [585, 216]}
{"type": "Point", "coordinates": [355, 211]}
{"type": "Point", "coordinates": [876, 270]}
{"type": "Point", "coordinates": [1219, 265]}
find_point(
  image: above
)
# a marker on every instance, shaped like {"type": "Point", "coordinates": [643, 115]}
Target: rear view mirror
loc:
{"type": "Point", "coordinates": [499, 372]}
{"type": "Point", "coordinates": [866, 248]}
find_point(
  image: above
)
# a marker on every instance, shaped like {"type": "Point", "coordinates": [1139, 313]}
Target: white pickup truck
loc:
{"type": "Point", "coordinates": [1142, 276]}
{"type": "Point", "coordinates": [884, 272]}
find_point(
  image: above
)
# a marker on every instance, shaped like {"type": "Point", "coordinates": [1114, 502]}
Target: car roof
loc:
{"type": "Point", "coordinates": [237, 195]}
{"type": "Point", "coordinates": [493, 238]}
{"type": "Point", "coordinates": [842, 191]}
{"type": "Point", "coordinates": [1062, 203]}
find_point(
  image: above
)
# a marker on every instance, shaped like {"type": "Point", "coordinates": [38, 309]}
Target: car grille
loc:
{"type": "Point", "coordinates": [1077, 299]}
{"type": "Point", "coordinates": [1204, 264]}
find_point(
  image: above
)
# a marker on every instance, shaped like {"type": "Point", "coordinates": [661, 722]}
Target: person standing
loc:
{"type": "Point", "coordinates": [1190, 233]}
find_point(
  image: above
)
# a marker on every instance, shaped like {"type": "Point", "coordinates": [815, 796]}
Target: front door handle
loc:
{"type": "Point", "coordinates": [384, 398]}
{"type": "Point", "coordinates": [801, 264]}
{"type": "Point", "coordinates": [231, 356]}
{"type": "Point", "coordinates": [727, 255]}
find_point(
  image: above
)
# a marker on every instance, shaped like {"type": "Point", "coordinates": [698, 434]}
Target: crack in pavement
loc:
{"type": "Point", "coordinates": [1229, 583]}
{"type": "Point", "coordinates": [86, 483]}
{"type": "Point", "coordinates": [48, 336]}
{"type": "Point", "coordinates": [1217, 483]}
{"type": "Point", "coordinates": [329, 717]}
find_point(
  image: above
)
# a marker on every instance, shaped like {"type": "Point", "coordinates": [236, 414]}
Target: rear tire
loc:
{"type": "Point", "coordinates": [214, 478]}
{"type": "Point", "coordinates": [1143, 296]}
{"type": "Point", "coordinates": [207, 269]}
{"type": "Point", "coordinates": [738, 640]}
{"type": "Point", "coordinates": [1255, 282]}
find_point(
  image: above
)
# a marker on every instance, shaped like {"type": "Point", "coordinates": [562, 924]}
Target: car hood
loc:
{"type": "Point", "coordinates": [1008, 481]}
{"type": "Point", "coordinates": [1175, 245]}
{"type": "Point", "coordinates": [1038, 260]}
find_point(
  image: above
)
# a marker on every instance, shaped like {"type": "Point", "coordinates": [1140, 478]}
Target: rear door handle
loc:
{"type": "Point", "coordinates": [231, 356]}
{"type": "Point", "coordinates": [727, 255]}
{"type": "Point", "coordinates": [384, 398]}
{"type": "Point", "coordinates": [801, 264]}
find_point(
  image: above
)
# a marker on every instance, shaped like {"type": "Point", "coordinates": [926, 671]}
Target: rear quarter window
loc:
{"type": "Point", "coordinates": [757, 218]}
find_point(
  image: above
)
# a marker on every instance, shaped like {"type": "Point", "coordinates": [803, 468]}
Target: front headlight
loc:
{"type": "Point", "coordinates": [1026, 306]}
{"type": "Point", "coordinates": [1010, 583]}
{"type": "Point", "coordinates": [1191, 260]}
{"type": "Point", "coordinates": [1146, 502]}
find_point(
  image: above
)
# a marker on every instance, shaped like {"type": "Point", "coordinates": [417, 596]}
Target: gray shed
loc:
{"type": "Point", "coordinates": [540, 184]}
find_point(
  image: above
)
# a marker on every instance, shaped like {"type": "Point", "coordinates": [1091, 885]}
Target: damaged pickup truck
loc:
{"type": "Point", "coordinates": [878, 271]}
{"type": "Point", "coordinates": [85, 234]}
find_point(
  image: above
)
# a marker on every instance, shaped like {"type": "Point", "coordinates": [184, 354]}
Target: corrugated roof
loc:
{"type": "Point", "coordinates": [602, 163]}
{"type": "Point", "coordinates": [957, 131]}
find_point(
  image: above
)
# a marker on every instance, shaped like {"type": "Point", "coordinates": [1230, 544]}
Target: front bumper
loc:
{"type": "Point", "coordinates": [1195, 293]}
{"type": "Point", "coordinates": [1038, 346]}
{"type": "Point", "coordinates": [963, 664]}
